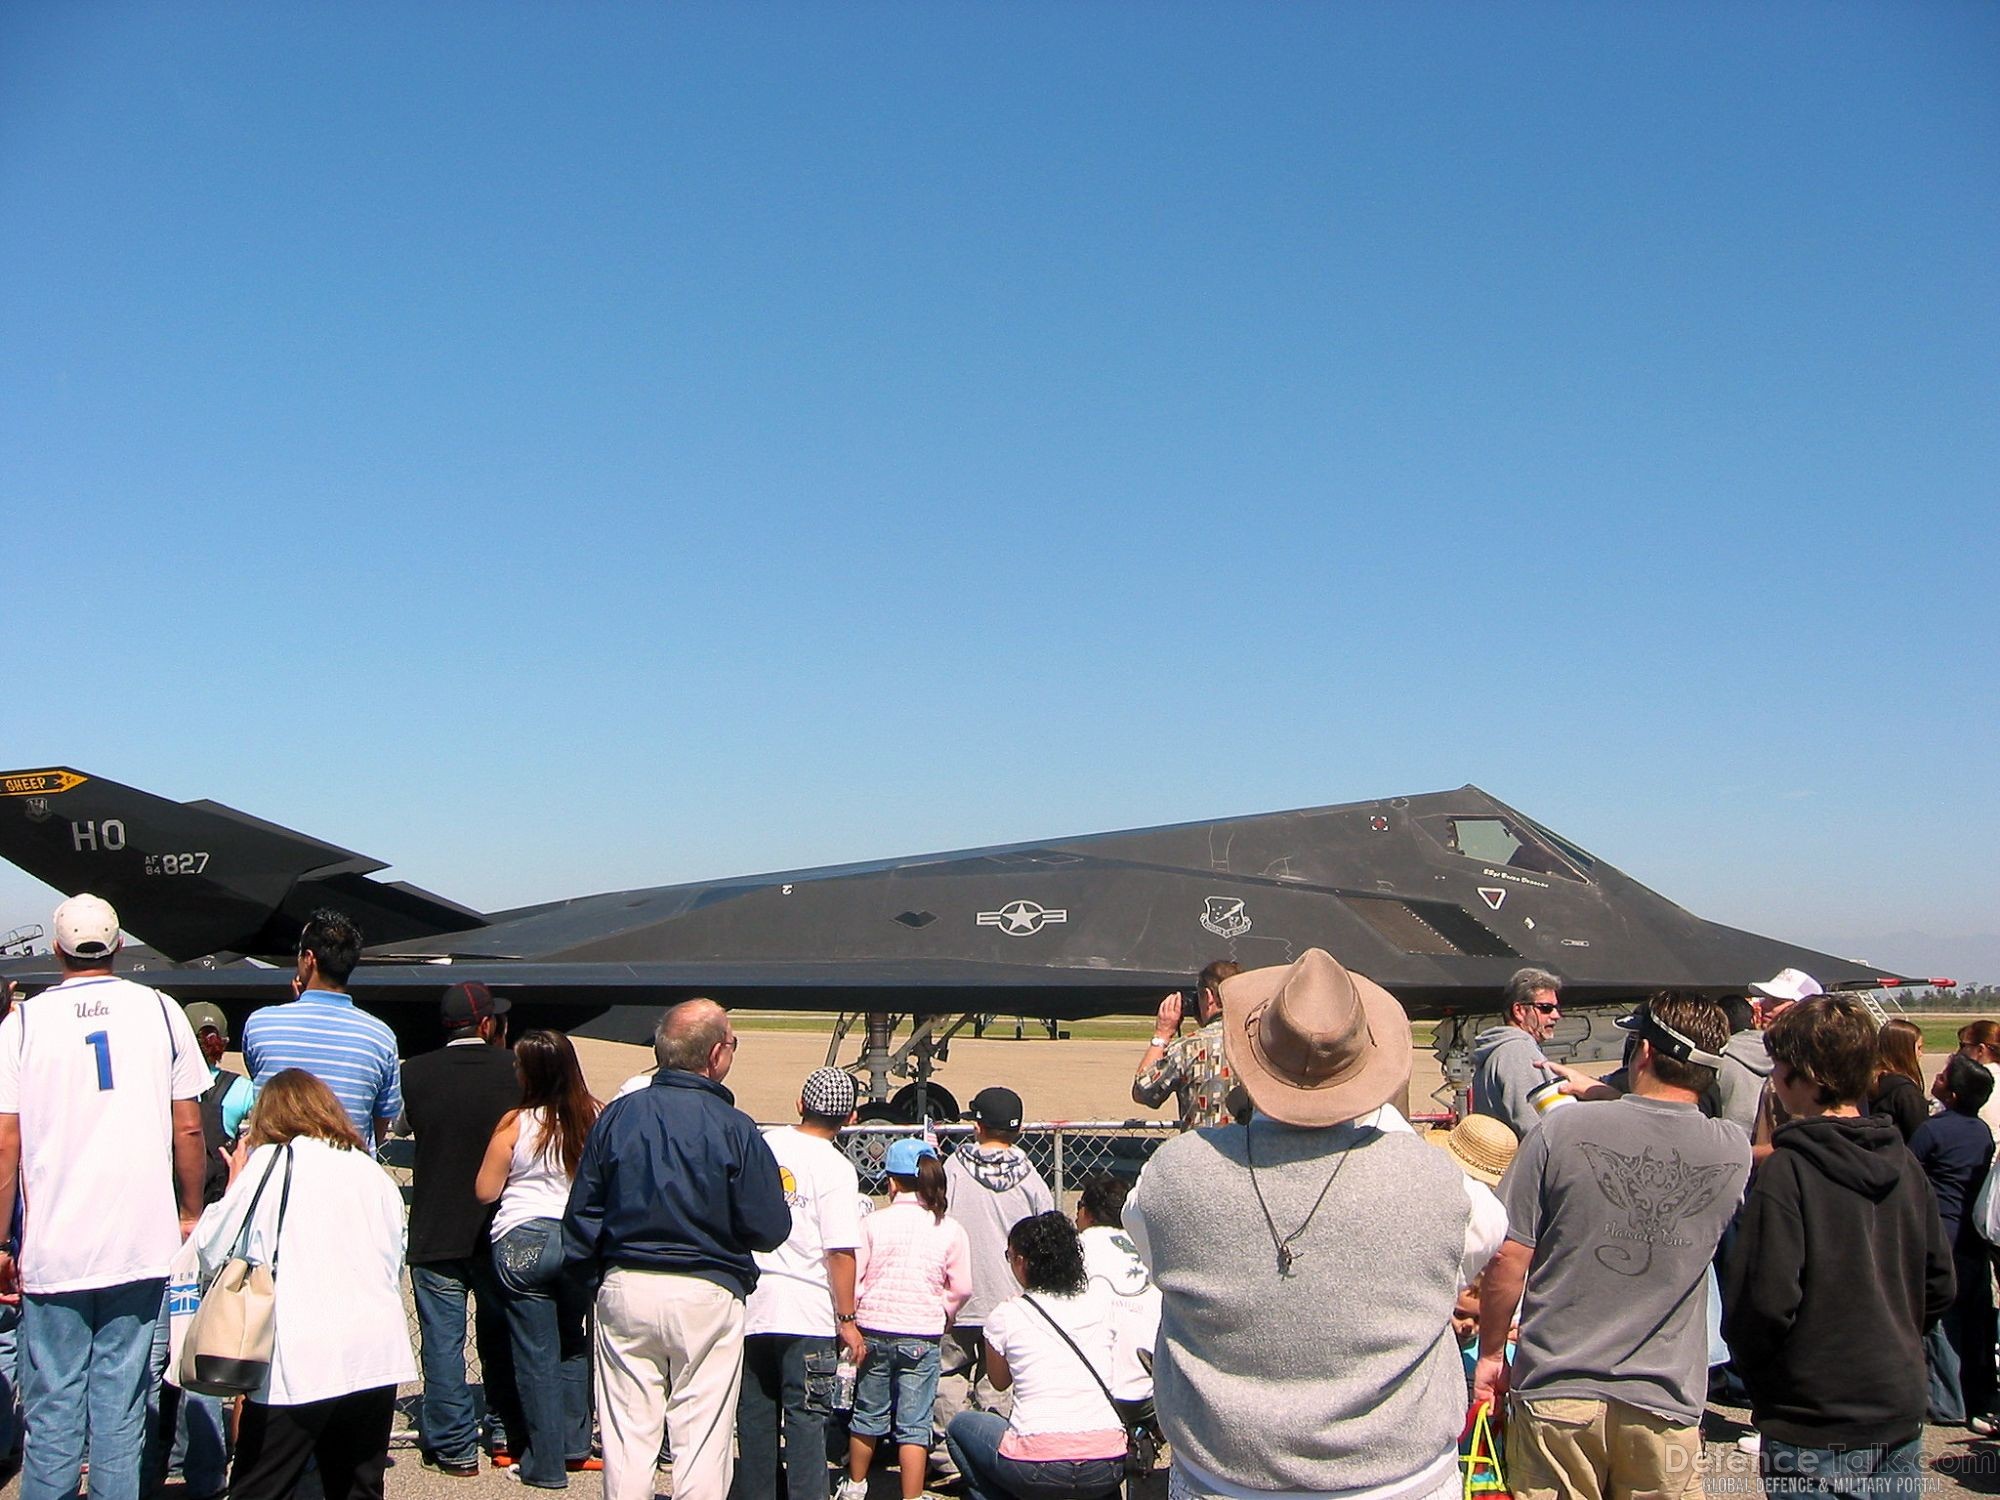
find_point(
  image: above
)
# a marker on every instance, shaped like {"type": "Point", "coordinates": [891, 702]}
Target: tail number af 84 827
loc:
{"type": "Point", "coordinates": [177, 864]}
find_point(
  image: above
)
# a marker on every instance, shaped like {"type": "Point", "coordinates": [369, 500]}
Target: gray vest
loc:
{"type": "Point", "coordinates": [1343, 1375]}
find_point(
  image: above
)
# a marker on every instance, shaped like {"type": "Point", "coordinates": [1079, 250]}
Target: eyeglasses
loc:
{"type": "Point", "coordinates": [1549, 1008]}
{"type": "Point", "coordinates": [732, 1044]}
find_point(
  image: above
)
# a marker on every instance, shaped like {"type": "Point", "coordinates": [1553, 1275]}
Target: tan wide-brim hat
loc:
{"type": "Point", "coordinates": [1482, 1146]}
{"type": "Point", "coordinates": [1313, 1043]}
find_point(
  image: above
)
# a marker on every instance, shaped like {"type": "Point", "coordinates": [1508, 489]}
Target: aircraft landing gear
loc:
{"type": "Point", "coordinates": [929, 1043]}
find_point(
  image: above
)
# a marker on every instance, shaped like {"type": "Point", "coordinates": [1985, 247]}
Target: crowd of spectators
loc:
{"type": "Point", "coordinates": [1299, 1296]}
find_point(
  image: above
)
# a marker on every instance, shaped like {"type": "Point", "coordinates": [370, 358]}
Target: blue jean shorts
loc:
{"type": "Point", "coordinates": [902, 1365]}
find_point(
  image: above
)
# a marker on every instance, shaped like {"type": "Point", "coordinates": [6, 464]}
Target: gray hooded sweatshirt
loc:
{"type": "Point", "coordinates": [1504, 1069]}
{"type": "Point", "coordinates": [992, 1190]}
{"type": "Point", "coordinates": [1739, 1082]}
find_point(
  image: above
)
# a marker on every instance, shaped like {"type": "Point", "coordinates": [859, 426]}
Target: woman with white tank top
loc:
{"type": "Point", "coordinates": [528, 1169]}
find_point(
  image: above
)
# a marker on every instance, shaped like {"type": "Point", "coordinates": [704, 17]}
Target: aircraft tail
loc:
{"type": "Point", "coordinates": [194, 878]}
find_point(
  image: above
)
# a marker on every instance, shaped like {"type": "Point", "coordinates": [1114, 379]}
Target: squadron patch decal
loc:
{"type": "Point", "coordinates": [1224, 916]}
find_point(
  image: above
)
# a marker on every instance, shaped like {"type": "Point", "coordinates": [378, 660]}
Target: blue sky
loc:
{"type": "Point", "coordinates": [560, 447]}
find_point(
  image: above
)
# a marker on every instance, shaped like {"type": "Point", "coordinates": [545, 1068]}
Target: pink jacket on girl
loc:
{"type": "Point", "coordinates": [912, 1273]}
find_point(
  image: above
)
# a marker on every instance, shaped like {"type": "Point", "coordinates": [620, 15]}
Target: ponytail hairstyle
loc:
{"type": "Point", "coordinates": [1985, 1035]}
{"type": "Point", "coordinates": [928, 1183]}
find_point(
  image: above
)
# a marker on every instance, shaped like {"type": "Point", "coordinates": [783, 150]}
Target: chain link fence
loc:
{"type": "Point", "coordinates": [1067, 1154]}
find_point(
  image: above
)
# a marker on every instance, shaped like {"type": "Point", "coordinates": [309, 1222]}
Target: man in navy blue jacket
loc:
{"type": "Point", "coordinates": [675, 1190]}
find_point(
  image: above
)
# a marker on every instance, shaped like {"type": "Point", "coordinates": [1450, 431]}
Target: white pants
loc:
{"type": "Point", "coordinates": [669, 1354]}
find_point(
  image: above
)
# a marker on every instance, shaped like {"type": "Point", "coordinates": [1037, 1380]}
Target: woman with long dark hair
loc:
{"type": "Point", "coordinates": [1053, 1346]}
{"type": "Point", "coordinates": [1898, 1090]}
{"type": "Point", "coordinates": [331, 1229]}
{"type": "Point", "coordinates": [529, 1165]}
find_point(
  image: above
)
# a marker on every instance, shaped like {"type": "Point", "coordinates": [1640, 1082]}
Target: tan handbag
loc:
{"type": "Point", "coordinates": [227, 1349]}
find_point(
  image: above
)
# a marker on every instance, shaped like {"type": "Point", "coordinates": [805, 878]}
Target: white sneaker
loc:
{"type": "Point", "coordinates": [1750, 1442]}
{"type": "Point", "coordinates": [852, 1489]}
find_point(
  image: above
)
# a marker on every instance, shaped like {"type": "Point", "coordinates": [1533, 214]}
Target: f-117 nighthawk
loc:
{"type": "Point", "coordinates": [1438, 897]}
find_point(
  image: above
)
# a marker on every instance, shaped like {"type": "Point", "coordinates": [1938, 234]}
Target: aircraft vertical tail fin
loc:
{"type": "Point", "coordinates": [193, 878]}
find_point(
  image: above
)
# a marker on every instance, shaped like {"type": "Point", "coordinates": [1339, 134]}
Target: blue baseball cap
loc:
{"type": "Point", "coordinates": [903, 1156]}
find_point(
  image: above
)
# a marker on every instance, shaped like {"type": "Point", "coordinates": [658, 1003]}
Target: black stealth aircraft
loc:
{"type": "Point", "coordinates": [1438, 897]}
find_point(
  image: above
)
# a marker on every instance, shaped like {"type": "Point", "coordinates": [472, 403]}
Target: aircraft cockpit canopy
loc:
{"type": "Point", "coordinates": [1502, 842]}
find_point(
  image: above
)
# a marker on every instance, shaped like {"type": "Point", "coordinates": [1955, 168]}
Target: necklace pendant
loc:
{"type": "Point", "coordinates": [1285, 1259]}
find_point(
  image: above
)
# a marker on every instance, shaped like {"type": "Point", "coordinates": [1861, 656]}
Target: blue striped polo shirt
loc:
{"type": "Point", "coordinates": [348, 1050]}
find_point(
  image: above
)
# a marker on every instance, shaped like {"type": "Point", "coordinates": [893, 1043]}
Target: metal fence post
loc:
{"type": "Point", "coordinates": [1057, 1140]}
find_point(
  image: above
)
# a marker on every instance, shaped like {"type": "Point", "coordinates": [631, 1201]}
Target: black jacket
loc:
{"type": "Point", "coordinates": [675, 1178]}
{"type": "Point", "coordinates": [1896, 1098]}
{"type": "Point", "coordinates": [1839, 1265]}
{"type": "Point", "coordinates": [452, 1099]}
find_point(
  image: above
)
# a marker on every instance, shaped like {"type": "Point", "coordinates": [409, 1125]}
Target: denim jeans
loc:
{"type": "Point", "coordinates": [1892, 1473]}
{"type": "Point", "coordinates": [84, 1361]}
{"type": "Point", "coordinates": [896, 1388]}
{"type": "Point", "coordinates": [973, 1439]}
{"type": "Point", "coordinates": [183, 1430]}
{"type": "Point", "coordinates": [774, 1391]}
{"type": "Point", "coordinates": [548, 1322]}
{"type": "Point", "coordinates": [1968, 1327]}
{"type": "Point", "coordinates": [449, 1418]}
{"type": "Point", "coordinates": [1946, 1401]}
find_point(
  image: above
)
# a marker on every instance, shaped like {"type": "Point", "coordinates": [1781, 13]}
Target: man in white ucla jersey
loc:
{"type": "Point", "coordinates": [100, 1123]}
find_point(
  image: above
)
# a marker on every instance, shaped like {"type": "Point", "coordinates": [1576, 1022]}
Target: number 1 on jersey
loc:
{"type": "Point", "coordinates": [100, 1042]}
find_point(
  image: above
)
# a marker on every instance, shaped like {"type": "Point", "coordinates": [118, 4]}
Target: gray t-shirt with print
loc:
{"type": "Point", "coordinates": [1622, 1201]}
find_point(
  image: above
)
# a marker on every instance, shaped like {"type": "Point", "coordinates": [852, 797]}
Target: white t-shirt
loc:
{"type": "Point", "coordinates": [822, 1190]}
{"type": "Point", "coordinates": [1111, 1261]}
{"type": "Point", "coordinates": [537, 1186]}
{"type": "Point", "coordinates": [1059, 1408]}
{"type": "Point", "coordinates": [92, 1067]}
{"type": "Point", "coordinates": [339, 1316]}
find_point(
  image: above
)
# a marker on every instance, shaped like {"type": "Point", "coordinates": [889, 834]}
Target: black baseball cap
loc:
{"type": "Point", "coordinates": [998, 1108]}
{"type": "Point", "coordinates": [471, 1001]}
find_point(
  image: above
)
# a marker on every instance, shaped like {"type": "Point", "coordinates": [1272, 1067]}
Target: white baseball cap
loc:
{"type": "Point", "coordinates": [1788, 984]}
{"type": "Point", "coordinates": [87, 927]}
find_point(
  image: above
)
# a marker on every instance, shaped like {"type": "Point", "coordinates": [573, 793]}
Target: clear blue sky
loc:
{"type": "Point", "coordinates": [560, 447]}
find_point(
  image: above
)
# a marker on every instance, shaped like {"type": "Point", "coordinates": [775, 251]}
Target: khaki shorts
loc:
{"type": "Point", "coordinates": [1600, 1450]}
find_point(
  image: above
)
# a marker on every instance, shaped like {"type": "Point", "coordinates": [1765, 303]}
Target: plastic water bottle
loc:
{"type": "Point", "coordinates": [843, 1383]}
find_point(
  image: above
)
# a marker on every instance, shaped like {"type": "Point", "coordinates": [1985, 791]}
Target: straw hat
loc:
{"type": "Point", "coordinates": [1314, 1044]}
{"type": "Point", "coordinates": [1482, 1146]}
